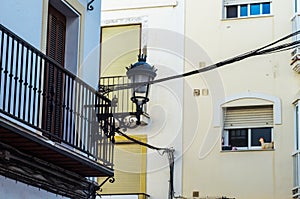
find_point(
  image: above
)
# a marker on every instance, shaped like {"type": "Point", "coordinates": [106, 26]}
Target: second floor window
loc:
{"type": "Point", "coordinates": [248, 127]}
{"type": "Point", "coordinates": [241, 9]}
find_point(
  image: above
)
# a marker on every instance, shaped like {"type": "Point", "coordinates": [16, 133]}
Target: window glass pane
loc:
{"type": "Point", "coordinates": [257, 133]}
{"type": "Point", "coordinates": [255, 9]}
{"type": "Point", "coordinates": [231, 11]}
{"type": "Point", "coordinates": [244, 10]}
{"type": "Point", "coordinates": [296, 5]}
{"type": "Point", "coordinates": [238, 137]}
{"type": "Point", "coordinates": [266, 8]}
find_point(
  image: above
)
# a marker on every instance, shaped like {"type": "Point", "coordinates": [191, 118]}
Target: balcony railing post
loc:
{"type": "Point", "coordinates": [297, 169]}
{"type": "Point", "coordinates": [1, 58]}
{"type": "Point", "coordinates": [16, 79]}
{"type": "Point", "coordinates": [20, 82]}
{"type": "Point", "coordinates": [9, 73]}
{"type": "Point", "coordinates": [39, 92]}
{"type": "Point", "coordinates": [25, 85]}
{"type": "Point", "coordinates": [5, 71]}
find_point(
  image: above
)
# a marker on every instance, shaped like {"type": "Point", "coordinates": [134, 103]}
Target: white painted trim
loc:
{"type": "Point", "coordinates": [136, 4]}
{"type": "Point", "coordinates": [123, 21]}
{"type": "Point", "coordinates": [240, 2]}
{"type": "Point", "coordinates": [70, 7]}
{"type": "Point", "coordinates": [218, 117]}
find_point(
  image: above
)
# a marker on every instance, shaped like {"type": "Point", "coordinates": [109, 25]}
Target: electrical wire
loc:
{"type": "Point", "coordinates": [267, 49]}
{"type": "Point", "coordinates": [140, 142]}
{"type": "Point", "coordinates": [170, 154]}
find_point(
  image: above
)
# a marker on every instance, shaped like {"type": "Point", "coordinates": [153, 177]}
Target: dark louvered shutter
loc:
{"type": "Point", "coordinates": [56, 35]}
{"type": "Point", "coordinates": [53, 113]}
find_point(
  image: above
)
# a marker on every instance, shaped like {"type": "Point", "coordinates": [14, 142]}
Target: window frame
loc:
{"type": "Point", "coordinates": [296, 5]}
{"type": "Point", "coordinates": [249, 132]}
{"type": "Point", "coordinates": [235, 119]}
{"type": "Point", "coordinates": [248, 4]}
{"type": "Point", "coordinates": [75, 17]}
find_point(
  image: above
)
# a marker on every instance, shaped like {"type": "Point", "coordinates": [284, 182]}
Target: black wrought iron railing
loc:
{"type": "Point", "coordinates": [39, 93]}
{"type": "Point", "coordinates": [123, 109]}
{"type": "Point", "coordinates": [109, 87]}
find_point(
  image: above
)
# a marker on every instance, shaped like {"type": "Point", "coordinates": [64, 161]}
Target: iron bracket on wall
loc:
{"type": "Point", "coordinates": [111, 180]}
{"type": "Point", "coordinates": [89, 6]}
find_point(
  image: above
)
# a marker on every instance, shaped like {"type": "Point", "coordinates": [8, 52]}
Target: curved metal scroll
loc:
{"type": "Point", "coordinates": [111, 180]}
{"type": "Point", "coordinates": [89, 6]}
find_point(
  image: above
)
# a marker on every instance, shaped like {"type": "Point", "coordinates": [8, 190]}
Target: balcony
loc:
{"type": "Point", "coordinates": [295, 60]}
{"type": "Point", "coordinates": [49, 127]}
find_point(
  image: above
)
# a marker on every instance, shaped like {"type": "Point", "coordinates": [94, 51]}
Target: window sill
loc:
{"type": "Point", "coordinates": [248, 17]}
{"type": "Point", "coordinates": [246, 150]}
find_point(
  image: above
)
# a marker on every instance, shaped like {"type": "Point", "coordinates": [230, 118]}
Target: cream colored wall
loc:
{"type": "Point", "coordinates": [249, 174]}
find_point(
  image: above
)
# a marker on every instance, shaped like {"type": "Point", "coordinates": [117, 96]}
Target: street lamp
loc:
{"type": "Point", "coordinates": [140, 74]}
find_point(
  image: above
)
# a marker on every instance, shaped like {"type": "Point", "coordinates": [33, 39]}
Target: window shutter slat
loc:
{"type": "Point", "coordinates": [52, 36]}
{"type": "Point", "coordinates": [56, 35]}
{"type": "Point", "coordinates": [130, 178]}
{"type": "Point", "coordinates": [60, 43]}
{"type": "Point", "coordinates": [258, 116]}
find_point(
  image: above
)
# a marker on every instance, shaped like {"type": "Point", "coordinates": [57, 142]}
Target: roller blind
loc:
{"type": "Point", "coordinates": [120, 46]}
{"type": "Point", "coordinates": [129, 168]}
{"type": "Point", "coordinates": [247, 117]}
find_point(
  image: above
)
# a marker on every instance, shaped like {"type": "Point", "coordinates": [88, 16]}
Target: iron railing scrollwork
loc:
{"type": "Point", "coordinates": [27, 97]}
{"type": "Point", "coordinates": [123, 109]}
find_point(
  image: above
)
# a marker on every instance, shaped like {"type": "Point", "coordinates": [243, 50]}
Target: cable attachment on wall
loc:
{"type": "Point", "coordinates": [170, 154]}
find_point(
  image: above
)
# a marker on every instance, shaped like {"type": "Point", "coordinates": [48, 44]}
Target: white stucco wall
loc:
{"type": "Point", "coordinates": [163, 34]}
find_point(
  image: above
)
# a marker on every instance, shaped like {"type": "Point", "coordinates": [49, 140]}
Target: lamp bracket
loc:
{"type": "Point", "coordinates": [126, 121]}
